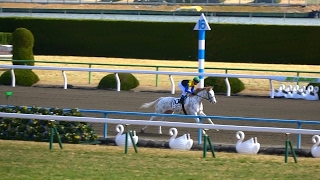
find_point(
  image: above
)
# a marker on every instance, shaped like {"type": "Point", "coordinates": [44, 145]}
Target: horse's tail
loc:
{"type": "Point", "coordinates": [147, 105]}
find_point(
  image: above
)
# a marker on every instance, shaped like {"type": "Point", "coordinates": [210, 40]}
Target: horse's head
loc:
{"type": "Point", "coordinates": [206, 93]}
{"type": "Point", "coordinates": [211, 95]}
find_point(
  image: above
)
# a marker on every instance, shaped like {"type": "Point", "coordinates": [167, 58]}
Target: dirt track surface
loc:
{"type": "Point", "coordinates": [297, 6]}
{"type": "Point", "coordinates": [239, 106]}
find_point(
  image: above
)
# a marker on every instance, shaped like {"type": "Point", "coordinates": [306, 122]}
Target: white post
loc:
{"type": "Point", "coordinates": [65, 81]}
{"type": "Point", "coordinates": [13, 79]}
{"type": "Point", "coordinates": [172, 84]}
{"type": "Point", "coordinates": [118, 82]}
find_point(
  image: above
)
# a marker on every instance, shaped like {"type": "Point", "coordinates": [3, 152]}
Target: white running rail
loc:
{"type": "Point", "coordinates": [170, 73]}
{"type": "Point", "coordinates": [160, 123]}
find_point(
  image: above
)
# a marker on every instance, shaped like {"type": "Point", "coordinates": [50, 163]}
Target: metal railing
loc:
{"type": "Point", "coordinates": [284, 130]}
{"type": "Point", "coordinates": [157, 68]}
{"type": "Point", "coordinates": [106, 113]}
{"type": "Point", "coordinates": [173, 2]}
{"type": "Point", "coordinates": [169, 73]}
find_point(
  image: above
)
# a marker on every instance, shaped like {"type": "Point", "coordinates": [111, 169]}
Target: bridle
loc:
{"type": "Point", "coordinates": [209, 95]}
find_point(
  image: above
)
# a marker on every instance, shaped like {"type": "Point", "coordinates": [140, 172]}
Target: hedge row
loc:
{"type": "Point", "coordinates": [271, 44]}
{"type": "Point", "coordinates": [37, 130]}
{"type": "Point", "coordinates": [5, 38]}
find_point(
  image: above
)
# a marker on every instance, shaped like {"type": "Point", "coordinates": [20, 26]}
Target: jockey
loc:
{"type": "Point", "coordinates": [187, 86]}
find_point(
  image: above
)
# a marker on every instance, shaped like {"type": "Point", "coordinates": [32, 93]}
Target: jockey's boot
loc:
{"type": "Point", "coordinates": [182, 100]}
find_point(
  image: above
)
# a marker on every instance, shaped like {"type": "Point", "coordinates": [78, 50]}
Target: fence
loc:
{"type": "Point", "coordinates": [170, 73]}
{"type": "Point", "coordinates": [106, 113]}
{"type": "Point", "coordinates": [175, 124]}
{"type": "Point", "coordinates": [298, 122]}
{"type": "Point", "coordinates": [157, 68]}
{"type": "Point", "coordinates": [175, 2]}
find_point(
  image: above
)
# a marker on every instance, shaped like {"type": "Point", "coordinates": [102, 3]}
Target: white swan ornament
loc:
{"type": "Point", "coordinates": [312, 93]}
{"type": "Point", "coordinates": [288, 92]}
{"type": "Point", "coordinates": [183, 142]}
{"type": "Point", "coordinates": [121, 138]}
{"type": "Point", "coordinates": [302, 92]}
{"type": "Point", "coordinates": [295, 92]}
{"type": "Point", "coordinates": [279, 92]}
{"type": "Point", "coordinates": [315, 150]}
{"type": "Point", "coordinates": [250, 146]}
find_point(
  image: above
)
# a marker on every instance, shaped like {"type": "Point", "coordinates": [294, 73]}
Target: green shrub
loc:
{"type": "Point", "coordinates": [38, 130]}
{"type": "Point", "coordinates": [127, 80]}
{"type": "Point", "coordinates": [205, 1]}
{"type": "Point", "coordinates": [220, 86]}
{"type": "Point", "coordinates": [24, 77]}
{"type": "Point", "coordinates": [314, 84]}
{"type": "Point", "coordinates": [267, 1]}
{"type": "Point", "coordinates": [22, 43]}
{"type": "Point", "coordinates": [5, 38]}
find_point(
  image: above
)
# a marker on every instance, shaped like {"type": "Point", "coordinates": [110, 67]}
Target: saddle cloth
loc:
{"type": "Point", "coordinates": [176, 105]}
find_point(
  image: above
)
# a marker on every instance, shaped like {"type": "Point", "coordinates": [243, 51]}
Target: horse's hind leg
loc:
{"type": "Point", "coordinates": [160, 130]}
{"type": "Point", "coordinates": [144, 129]}
{"type": "Point", "coordinates": [151, 119]}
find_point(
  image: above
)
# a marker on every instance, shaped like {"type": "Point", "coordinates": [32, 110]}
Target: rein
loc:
{"type": "Point", "coordinates": [203, 97]}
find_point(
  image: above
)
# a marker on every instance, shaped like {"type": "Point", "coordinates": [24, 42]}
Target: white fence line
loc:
{"type": "Point", "coordinates": [5, 48]}
{"type": "Point", "coordinates": [170, 73]}
{"type": "Point", "coordinates": [156, 2]}
{"type": "Point", "coordinates": [161, 123]}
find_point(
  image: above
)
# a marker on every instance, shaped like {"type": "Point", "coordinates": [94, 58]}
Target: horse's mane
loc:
{"type": "Point", "coordinates": [201, 89]}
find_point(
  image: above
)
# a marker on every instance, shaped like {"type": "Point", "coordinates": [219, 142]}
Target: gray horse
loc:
{"type": "Point", "coordinates": [193, 105]}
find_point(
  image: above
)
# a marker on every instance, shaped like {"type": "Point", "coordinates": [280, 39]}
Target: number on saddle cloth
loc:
{"type": "Point", "coordinates": [176, 104]}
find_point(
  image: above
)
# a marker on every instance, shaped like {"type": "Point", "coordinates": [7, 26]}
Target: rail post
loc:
{"type": "Point", "coordinates": [299, 136]}
{"type": "Point", "coordinates": [157, 76]}
{"type": "Point", "coordinates": [207, 140]}
{"type": "Point", "coordinates": [53, 130]}
{"type": "Point", "coordinates": [105, 127]}
{"type": "Point", "coordinates": [289, 144]}
{"type": "Point", "coordinates": [200, 132]}
{"type": "Point", "coordinates": [128, 133]}
{"type": "Point", "coordinates": [90, 74]}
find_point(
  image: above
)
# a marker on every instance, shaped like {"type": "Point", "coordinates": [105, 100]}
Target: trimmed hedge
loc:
{"type": "Point", "coordinates": [128, 81]}
{"type": "Point", "coordinates": [220, 86]}
{"type": "Point", "coordinates": [5, 38]}
{"type": "Point", "coordinates": [241, 43]}
{"type": "Point", "coordinates": [38, 130]}
{"type": "Point", "coordinates": [24, 77]}
{"type": "Point", "coordinates": [22, 43]}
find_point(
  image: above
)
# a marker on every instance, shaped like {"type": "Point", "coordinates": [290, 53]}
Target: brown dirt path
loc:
{"type": "Point", "coordinates": [240, 106]}
{"type": "Point", "coordinates": [296, 6]}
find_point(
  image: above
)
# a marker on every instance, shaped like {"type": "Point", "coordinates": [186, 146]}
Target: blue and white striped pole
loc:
{"type": "Point", "coordinates": [202, 26]}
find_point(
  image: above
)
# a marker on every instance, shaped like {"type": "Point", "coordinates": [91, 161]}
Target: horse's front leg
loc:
{"type": "Point", "coordinates": [203, 114]}
{"type": "Point", "coordinates": [198, 121]}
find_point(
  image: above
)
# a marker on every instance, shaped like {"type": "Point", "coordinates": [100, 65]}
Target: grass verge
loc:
{"type": "Point", "coordinates": [34, 160]}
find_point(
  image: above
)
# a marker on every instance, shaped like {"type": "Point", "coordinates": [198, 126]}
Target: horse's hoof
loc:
{"type": "Point", "coordinates": [142, 130]}
{"type": "Point", "coordinates": [160, 132]}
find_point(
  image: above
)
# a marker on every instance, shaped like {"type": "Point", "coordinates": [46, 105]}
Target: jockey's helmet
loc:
{"type": "Point", "coordinates": [196, 79]}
